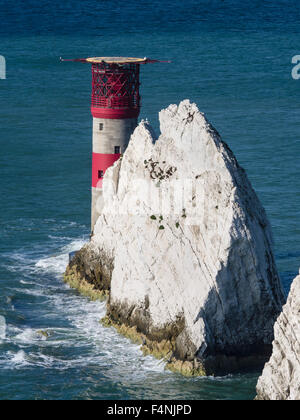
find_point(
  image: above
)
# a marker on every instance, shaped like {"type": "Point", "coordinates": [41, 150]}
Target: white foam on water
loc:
{"type": "Point", "coordinates": [30, 336]}
{"type": "Point", "coordinates": [106, 346]}
{"type": "Point", "coordinates": [84, 341]}
{"type": "Point", "coordinates": [57, 264]}
{"type": "Point", "coordinates": [15, 360]}
{"type": "Point", "coordinates": [26, 282]}
{"type": "Point", "coordinates": [38, 292]}
{"type": "Point", "coordinates": [19, 357]}
{"type": "Point", "coordinates": [2, 328]}
{"type": "Point", "coordinates": [109, 347]}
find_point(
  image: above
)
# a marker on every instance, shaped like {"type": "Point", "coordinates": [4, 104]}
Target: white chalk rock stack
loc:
{"type": "Point", "coordinates": [192, 245]}
{"type": "Point", "coordinates": [280, 379]}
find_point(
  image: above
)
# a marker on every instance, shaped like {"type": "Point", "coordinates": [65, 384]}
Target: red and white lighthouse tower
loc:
{"type": "Point", "coordinates": [115, 109]}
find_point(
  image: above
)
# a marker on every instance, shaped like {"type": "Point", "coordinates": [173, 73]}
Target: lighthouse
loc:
{"type": "Point", "coordinates": [115, 109]}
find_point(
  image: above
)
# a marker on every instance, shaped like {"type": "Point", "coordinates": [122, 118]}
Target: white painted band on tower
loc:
{"type": "Point", "coordinates": [110, 140]}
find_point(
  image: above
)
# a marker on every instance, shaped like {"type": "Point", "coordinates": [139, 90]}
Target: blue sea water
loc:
{"type": "Point", "coordinates": [231, 57]}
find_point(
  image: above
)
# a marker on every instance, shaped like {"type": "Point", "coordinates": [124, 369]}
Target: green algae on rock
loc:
{"type": "Point", "coordinates": [162, 350]}
{"type": "Point", "coordinates": [73, 278]}
{"type": "Point", "coordinates": [89, 274]}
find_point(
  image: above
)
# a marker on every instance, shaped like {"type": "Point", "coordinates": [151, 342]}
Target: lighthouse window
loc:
{"type": "Point", "coordinates": [117, 149]}
{"type": "Point", "coordinates": [100, 126]}
{"type": "Point", "coordinates": [100, 174]}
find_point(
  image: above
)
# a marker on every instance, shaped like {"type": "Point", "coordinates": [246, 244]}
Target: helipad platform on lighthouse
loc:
{"type": "Point", "coordinates": [117, 60]}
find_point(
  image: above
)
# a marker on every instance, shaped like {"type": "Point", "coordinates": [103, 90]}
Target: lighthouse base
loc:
{"type": "Point", "coordinates": [97, 206]}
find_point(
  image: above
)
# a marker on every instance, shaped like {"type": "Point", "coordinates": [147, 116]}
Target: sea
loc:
{"type": "Point", "coordinates": [233, 58]}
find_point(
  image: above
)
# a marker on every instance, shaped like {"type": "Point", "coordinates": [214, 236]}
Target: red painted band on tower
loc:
{"type": "Point", "coordinates": [114, 114]}
{"type": "Point", "coordinates": [101, 162]}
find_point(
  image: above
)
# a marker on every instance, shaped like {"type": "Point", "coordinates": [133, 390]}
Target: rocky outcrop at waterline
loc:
{"type": "Point", "coordinates": [186, 250]}
{"type": "Point", "coordinates": [89, 273]}
{"type": "Point", "coordinates": [280, 379]}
